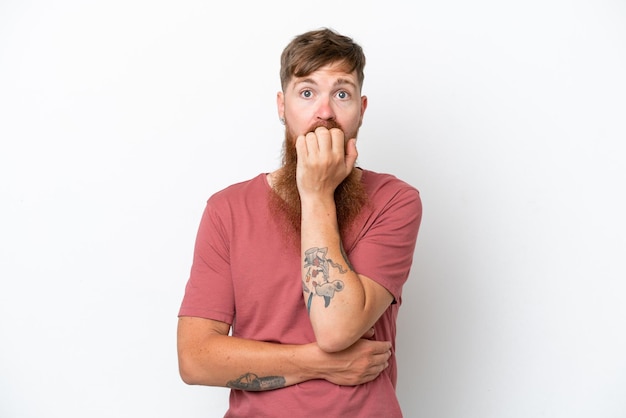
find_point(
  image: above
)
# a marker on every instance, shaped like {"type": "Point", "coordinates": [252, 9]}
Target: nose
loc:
{"type": "Point", "coordinates": [325, 109]}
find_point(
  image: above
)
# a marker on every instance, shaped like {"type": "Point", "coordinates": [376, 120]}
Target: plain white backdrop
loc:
{"type": "Point", "coordinates": [118, 119]}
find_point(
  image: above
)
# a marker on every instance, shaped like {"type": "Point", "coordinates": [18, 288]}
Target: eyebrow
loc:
{"type": "Point", "coordinates": [339, 82]}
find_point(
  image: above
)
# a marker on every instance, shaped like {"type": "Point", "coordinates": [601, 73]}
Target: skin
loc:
{"type": "Point", "coordinates": [209, 356]}
{"type": "Point", "coordinates": [344, 355]}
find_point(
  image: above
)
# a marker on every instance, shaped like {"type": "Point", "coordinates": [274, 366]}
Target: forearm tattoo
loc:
{"type": "Point", "coordinates": [254, 383]}
{"type": "Point", "coordinates": [317, 264]}
{"type": "Point", "coordinates": [345, 257]}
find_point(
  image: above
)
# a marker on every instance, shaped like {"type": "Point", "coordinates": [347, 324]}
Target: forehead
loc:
{"type": "Point", "coordinates": [334, 74]}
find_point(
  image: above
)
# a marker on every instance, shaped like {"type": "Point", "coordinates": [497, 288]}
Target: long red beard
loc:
{"type": "Point", "coordinates": [350, 195]}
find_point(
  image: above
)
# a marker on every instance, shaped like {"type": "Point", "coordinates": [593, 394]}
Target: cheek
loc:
{"type": "Point", "coordinates": [351, 115]}
{"type": "Point", "coordinates": [297, 121]}
{"type": "Point", "coordinates": [351, 125]}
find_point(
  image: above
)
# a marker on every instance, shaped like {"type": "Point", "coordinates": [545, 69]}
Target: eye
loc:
{"type": "Point", "coordinates": [306, 94]}
{"type": "Point", "coordinates": [343, 94]}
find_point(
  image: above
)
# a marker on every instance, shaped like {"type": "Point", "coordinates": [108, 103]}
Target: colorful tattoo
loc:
{"type": "Point", "coordinates": [316, 261]}
{"type": "Point", "coordinates": [254, 383]}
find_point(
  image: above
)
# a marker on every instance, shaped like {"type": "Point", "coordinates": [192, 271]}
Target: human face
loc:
{"type": "Point", "coordinates": [327, 95]}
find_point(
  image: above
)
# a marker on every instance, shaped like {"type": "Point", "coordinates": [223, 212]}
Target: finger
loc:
{"type": "Point", "coordinates": [301, 147]}
{"type": "Point", "coordinates": [378, 369]}
{"type": "Point", "coordinates": [338, 141]}
{"type": "Point", "coordinates": [323, 138]}
{"type": "Point", "coordinates": [381, 347]}
{"type": "Point", "coordinates": [351, 153]}
{"type": "Point", "coordinates": [383, 357]}
{"type": "Point", "coordinates": [312, 146]}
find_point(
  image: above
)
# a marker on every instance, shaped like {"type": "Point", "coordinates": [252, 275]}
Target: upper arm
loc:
{"type": "Point", "coordinates": [385, 252]}
{"type": "Point", "coordinates": [193, 332]}
{"type": "Point", "coordinates": [377, 300]}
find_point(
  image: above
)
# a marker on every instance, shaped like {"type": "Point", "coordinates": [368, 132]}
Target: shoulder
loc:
{"type": "Point", "coordinates": [383, 187]}
{"type": "Point", "coordinates": [232, 202]}
{"type": "Point", "coordinates": [241, 191]}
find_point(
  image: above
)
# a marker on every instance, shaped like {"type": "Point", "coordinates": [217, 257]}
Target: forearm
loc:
{"type": "Point", "coordinates": [333, 292]}
{"type": "Point", "coordinates": [221, 360]}
{"type": "Point", "coordinates": [342, 304]}
{"type": "Point", "coordinates": [208, 356]}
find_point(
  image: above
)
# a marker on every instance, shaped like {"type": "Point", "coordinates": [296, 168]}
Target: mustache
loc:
{"type": "Point", "coordinates": [328, 124]}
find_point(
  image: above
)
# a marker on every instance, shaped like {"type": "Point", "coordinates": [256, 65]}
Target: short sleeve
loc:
{"type": "Point", "coordinates": [385, 252]}
{"type": "Point", "coordinates": [209, 290]}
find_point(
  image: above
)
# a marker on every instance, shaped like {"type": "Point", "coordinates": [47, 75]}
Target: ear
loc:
{"type": "Point", "coordinates": [280, 104]}
{"type": "Point", "coordinates": [363, 107]}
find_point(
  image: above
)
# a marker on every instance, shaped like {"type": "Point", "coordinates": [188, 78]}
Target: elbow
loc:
{"type": "Point", "coordinates": [188, 378]}
{"type": "Point", "coordinates": [329, 347]}
{"type": "Point", "coordinates": [196, 348]}
{"type": "Point", "coordinates": [186, 372]}
{"type": "Point", "coordinates": [340, 336]}
{"type": "Point", "coordinates": [333, 342]}
{"type": "Point", "coordinates": [188, 369]}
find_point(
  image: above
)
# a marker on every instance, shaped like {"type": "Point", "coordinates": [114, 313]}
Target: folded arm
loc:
{"type": "Point", "coordinates": [207, 355]}
{"type": "Point", "coordinates": [342, 304]}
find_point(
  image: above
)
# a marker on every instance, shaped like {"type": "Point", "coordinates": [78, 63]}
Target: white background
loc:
{"type": "Point", "coordinates": [118, 119]}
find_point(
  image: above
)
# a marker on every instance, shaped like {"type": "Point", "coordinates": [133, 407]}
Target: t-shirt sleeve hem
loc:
{"type": "Point", "coordinates": [206, 314]}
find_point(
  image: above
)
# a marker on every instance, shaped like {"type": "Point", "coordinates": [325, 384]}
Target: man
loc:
{"type": "Point", "coordinates": [306, 263]}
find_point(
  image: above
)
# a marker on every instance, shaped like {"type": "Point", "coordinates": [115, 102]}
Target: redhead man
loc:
{"type": "Point", "coordinates": [297, 274]}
